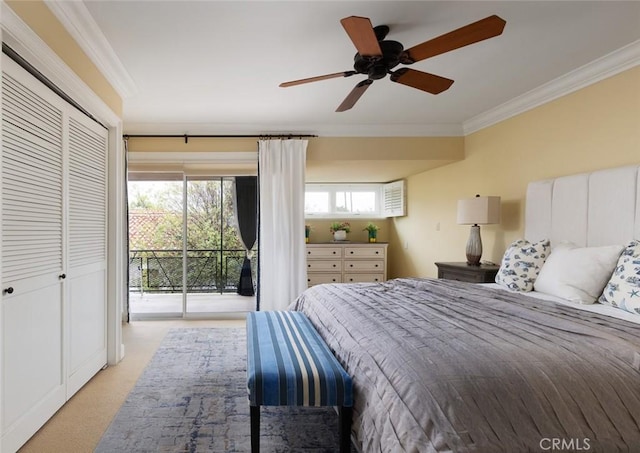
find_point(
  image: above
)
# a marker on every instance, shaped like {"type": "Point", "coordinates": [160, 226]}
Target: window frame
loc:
{"type": "Point", "coordinates": [333, 188]}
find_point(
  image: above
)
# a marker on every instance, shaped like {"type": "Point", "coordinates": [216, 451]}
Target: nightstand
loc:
{"type": "Point", "coordinates": [485, 273]}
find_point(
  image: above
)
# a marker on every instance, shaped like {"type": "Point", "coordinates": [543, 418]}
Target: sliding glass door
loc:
{"type": "Point", "coordinates": [213, 248]}
{"type": "Point", "coordinates": [185, 253]}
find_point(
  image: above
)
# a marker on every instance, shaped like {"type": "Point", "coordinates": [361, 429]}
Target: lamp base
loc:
{"type": "Point", "coordinates": [474, 246]}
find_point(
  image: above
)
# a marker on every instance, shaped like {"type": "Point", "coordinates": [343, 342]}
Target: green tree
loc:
{"type": "Point", "coordinates": [210, 227]}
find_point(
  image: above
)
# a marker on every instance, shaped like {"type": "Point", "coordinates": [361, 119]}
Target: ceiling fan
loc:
{"type": "Point", "coordinates": [377, 57]}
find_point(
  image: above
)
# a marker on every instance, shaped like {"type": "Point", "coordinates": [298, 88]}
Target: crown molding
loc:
{"type": "Point", "coordinates": [78, 21]}
{"type": "Point", "coordinates": [17, 35]}
{"type": "Point", "coordinates": [614, 63]}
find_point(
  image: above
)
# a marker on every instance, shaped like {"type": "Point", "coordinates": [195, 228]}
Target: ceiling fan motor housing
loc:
{"type": "Point", "coordinates": [378, 67]}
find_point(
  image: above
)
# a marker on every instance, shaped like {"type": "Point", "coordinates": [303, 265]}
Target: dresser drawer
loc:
{"type": "Point", "coordinates": [318, 279]}
{"type": "Point", "coordinates": [363, 278]}
{"type": "Point", "coordinates": [324, 265]}
{"type": "Point", "coordinates": [364, 252]}
{"type": "Point", "coordinates": [324, 252]}
{"type": "Point", "coordinates": [360, 265]}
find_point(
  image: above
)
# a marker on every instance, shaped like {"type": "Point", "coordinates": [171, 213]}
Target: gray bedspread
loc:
{"type": "Point", "coordinates": [441, 366]}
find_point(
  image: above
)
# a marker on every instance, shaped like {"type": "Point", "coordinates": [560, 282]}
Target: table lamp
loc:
{"type": "Point", "coordinates": [475, 212]}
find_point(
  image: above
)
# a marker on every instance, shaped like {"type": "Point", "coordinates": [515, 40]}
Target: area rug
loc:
{"type": "Point", "coordinates": [192, 397]}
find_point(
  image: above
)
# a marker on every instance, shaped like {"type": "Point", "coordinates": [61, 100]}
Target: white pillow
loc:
{"type": "Point", "coordinates": [623, 290]}
{"type": "Point", "coordinates": [577, 274]}
{"type": "Point", "coordinates": [521, 264]}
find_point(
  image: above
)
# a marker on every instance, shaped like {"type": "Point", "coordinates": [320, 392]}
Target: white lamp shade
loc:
{"type": "Point", "coordinates": [479, 210]}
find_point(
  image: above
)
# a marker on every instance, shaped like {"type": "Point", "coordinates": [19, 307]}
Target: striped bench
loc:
{"type": "Point", "coordinates": [288, 364]}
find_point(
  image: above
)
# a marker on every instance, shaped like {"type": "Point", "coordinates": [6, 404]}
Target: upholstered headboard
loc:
{"type": "Point", "coordinates": [589, 209]}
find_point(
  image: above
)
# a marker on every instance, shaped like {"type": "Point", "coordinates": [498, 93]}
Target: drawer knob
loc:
{"type": "Point", "coordinates": [308, 252]}
{"type": "Point", "coordinates": [334, 265]}
{"type": "Point", "coordinates": [375, 279]}
{"type": "Point", "coordinates": [376, 265]}
{"type": "Point", "coordinates": [333, 279]}
{"type": "Point", "coordinates": [350, 265]}
{"type": "Point", "coordinates": [8, 290]}
{"type": "Point", "coordinates": [351, 252]}
{"type": "Point", "coordinates": [350, 279]}
{"type": "Point", "coordinates": [308, 265]}
{"type": "Point", "coordinates": [334, 252]}
{"type": "Point", "coordinates": [308, 280]}
{"type": "Point", "coordinates": [377, 252]}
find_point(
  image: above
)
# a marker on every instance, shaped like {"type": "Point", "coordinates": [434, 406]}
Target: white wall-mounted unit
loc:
{"type": "Point", "coordinates": [53, 201]}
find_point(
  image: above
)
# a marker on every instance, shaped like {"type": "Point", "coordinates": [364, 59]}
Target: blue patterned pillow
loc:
{"type": "Point", "coordinates": [623, 289]}
{"type": "Point", "coordinates": [521, 264]}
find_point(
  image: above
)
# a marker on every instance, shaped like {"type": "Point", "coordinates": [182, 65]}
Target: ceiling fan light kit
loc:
{"type": "Point", "coordinates": [376, 57]}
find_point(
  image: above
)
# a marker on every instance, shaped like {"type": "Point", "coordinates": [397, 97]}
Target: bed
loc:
{"type": "Point", "coordinates": [439, 365]}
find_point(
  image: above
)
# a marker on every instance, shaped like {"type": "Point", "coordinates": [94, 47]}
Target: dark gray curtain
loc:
{"type": "Point", "coordinates": [246, 207]}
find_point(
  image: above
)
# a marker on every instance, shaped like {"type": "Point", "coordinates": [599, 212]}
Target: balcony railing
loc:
{"type": "Point", "coordinates": [161, 271]}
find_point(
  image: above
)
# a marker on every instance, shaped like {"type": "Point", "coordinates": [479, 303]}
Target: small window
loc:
{"type": "Point", "coordinates": [343, 200]}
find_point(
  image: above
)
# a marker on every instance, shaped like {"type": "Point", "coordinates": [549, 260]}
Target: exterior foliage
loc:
{"type": "Point", "coordinates": [214, 249]}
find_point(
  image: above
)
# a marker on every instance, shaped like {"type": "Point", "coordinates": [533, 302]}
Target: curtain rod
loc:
{"type": "Point", "coordinates": [188, 136]}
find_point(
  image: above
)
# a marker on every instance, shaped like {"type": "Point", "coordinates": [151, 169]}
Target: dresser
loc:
{"type": "Point", "coordinates": [348, 262]}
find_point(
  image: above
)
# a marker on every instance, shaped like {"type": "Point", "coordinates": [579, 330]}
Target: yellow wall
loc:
{"type": "Point", "coordinates": [320, 230]}
{"type": "Point", "coordinates": [321, 148]}
{"type": "Point", "coordinates": [335, 159]}
{"type": "Point", "coordinates": [42, 21]}
{"type": "Point", "coordinates": [596, 127]}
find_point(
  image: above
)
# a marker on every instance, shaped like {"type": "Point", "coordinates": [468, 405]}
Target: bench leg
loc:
{"type": "Point", "coordinates": [345, 414]}
{"type": "Point", "coordinates": [255, 428]}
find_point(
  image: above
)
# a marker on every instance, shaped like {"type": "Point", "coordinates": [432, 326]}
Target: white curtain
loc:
{"type": "Point", "coordinates": [283, 268]}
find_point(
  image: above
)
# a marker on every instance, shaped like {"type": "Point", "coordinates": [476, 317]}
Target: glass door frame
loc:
{"type": "Point", "coordinates": [184, 312]}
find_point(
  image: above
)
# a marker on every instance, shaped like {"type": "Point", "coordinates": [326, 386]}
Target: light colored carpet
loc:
{"type": "Point", "coordinates": [192, 397]}
{"type": "Point", "coordinates": [78, 426]}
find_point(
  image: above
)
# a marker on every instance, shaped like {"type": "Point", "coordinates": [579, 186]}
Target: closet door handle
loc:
{"type": "Point", "coordinates": [8, 290]}
{"type": "Point", "coordinates": [62, 276]}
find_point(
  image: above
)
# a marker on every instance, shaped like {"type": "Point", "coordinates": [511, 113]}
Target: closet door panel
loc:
{"type": "Point", "coordinates": [32, 353]}
{"type": "Point", "coordinates": [87, 335]}
{"type": "Point", "coordinates": [87, 246]}
{"type": "Point", "coordinates": [32, 198]}
{"type": "Point", "coordinates": [32, 203]}
{"type": "Point", "coordinates": [32, 184]}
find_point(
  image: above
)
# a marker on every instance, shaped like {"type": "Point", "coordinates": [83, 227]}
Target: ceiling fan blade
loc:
{"type": "Point", "coordinates": [355, 94]}
{"type": "Point", "coordinates": [486, 28]}
{"type": "Point", "coordinates": [362, 35]}
{"type": "Point", "coordinates": [424, 81]}
{"type": "Point", "coordinates": [318, 78]}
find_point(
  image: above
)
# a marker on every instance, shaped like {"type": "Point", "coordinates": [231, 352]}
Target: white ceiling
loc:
{"type": "Point", "coordinates": [214, 67]}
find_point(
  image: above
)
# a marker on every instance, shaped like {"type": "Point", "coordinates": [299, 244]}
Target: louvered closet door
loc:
{"type": "Point", "coordinates": [32, 256]}
{"type": "Point", "coordinates": [87, 250]}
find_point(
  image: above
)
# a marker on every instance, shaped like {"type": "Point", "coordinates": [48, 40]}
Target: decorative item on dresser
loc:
{"type": "Point", "coordinates": [346, 263]}
{"type": "Point", "coordinates": [340, 230]}
{"type": "Point", "coordinates": [482, 273]}
{"type": "Point", "coordinates": [307, 233]}
{"type": "Point", "coordinates": [477, 211]}
{"type": "Point", "coordinates": [372, 231]}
